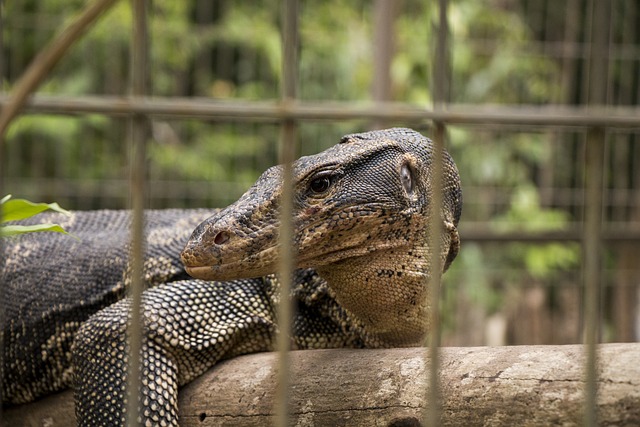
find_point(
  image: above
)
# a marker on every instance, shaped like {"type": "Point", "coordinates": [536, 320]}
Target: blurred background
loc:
{"type": "Point", "coordinates": [515, 178]}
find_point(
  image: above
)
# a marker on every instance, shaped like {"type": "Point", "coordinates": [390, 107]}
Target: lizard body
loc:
{"type": "Point", "coordinates": [361, 218]}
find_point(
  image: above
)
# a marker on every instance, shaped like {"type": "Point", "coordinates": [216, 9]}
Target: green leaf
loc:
{"type": "Point", "coordinates": [14, 230]}
{"type": "Point", "coordinates": [17, 209]}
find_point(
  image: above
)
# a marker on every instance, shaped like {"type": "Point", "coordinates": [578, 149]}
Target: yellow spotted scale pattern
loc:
{"type": "Point", "coordinates": [361, 220]}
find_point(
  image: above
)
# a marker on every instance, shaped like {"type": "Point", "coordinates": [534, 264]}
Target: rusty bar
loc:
{"type": "Point", "coordinates": [440, 92]}
{"type": "Point", "coordinates": [434, 409]}
{"type": "Point", "coordinates": [468, 234]}
{"type": "Point", "coordinates": [289, 50]}
{"type": "Point", "coordinates": [176, 107]}
{"type": "Point", "coordinates": [383, 47]}
{"type": "Point", "coordinates": [3, 320]}
{"type": "Point", "coordinates": [434, 403]}
{"type": "Point", "coordinates": [592, 264]}
{"type": "Point", "coordinates": [594, 180]}
{"type": "Point", "coordinates": [2, 57]}
{"type": "Point", "coordinates": [287, 264]}
{"type": "Point", "coordinates": [138, 193]}
{"type": "Point", "coordinates": [384, 15]}
{"type": "Point", "coordinates": [287, 253]}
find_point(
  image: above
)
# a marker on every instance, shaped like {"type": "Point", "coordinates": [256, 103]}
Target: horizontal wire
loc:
{"type": "Point", "coordinates": [180, 107]}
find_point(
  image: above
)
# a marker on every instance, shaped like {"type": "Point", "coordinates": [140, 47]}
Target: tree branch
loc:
{"type": "Point", "coordinates": [523, 385]}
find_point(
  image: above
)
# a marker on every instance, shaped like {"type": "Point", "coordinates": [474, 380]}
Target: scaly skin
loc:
{"type": "Point", "coordinates": [361, 234]}
{"type": "Point", "coordinates": [365, 233]}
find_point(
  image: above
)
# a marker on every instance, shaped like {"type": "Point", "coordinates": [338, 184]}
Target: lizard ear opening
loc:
{"type": "Point", "coordinates": [406, 177]}
{"type": "Point", "coordinates": [454, 245]}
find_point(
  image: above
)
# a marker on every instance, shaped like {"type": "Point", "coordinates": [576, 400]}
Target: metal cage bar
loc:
{"type": "Point", "coordinates": [272, 111]}
{"type": "Point", "coordinates": [434, 400]}
{"type": "Point", "coordinates": [597, 118]}
{"type": "Point", "coordinates": [287, 253]}
{"type": "Point", "coordinates": [137, 174]}
{"type": "Point", "coordinates": [594, 181]}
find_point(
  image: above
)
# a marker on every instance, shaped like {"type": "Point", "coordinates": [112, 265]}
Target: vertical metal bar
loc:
{"type": "Point", "coordinates": [624, 291]}
{"type": "Point", "coordinates": [2, 178]}
{"type": "Point", "coordinates": [594, 177]}
{"type": "Point", "coordinates": [287, 254]}
{"type": "Point", "coordinates": [384, 15]}
{"type": "Point", "coordinates": [2, 136]}
{"type": "Point", "coordinates": [289, 50]}
{"type": "Point", "coordinates": [440, 84]}
{"type": "Point", "coordinates": [592, 268]}
{"type": "Point", "coordinates": [434, 399]}
{"type": "Point", "coordinates": [138, 187]}
{"type": "Point", "coordinates": [599, 52]}
{"type": "Point", "coordinates": [435, 280]}
{"type": "Point", "coordinates": [2, 57]}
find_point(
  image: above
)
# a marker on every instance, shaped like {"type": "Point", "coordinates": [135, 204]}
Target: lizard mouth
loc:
{"type": "Point", "coordinates": [216, 253]}
{"type": "Point", "coordinates": [199, 272]}
{"type": "Point", "coordinates": [259, 264]}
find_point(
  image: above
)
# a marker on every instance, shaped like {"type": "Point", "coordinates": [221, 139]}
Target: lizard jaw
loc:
{"type": "Point", "coordinates": [259, 264]}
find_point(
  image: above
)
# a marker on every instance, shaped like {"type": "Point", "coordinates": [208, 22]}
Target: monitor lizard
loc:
{"type": "Point", "coordinates": [361, 216]}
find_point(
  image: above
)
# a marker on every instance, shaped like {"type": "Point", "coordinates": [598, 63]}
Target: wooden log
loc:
{"type": "Point", "coordinates": [521, 385]}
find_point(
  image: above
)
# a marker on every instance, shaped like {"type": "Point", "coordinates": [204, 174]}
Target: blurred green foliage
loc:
{"type": "Point", "coordinates": [233, 51]}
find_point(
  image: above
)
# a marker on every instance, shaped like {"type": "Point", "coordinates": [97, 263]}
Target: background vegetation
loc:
{"type": "Point", "coordinates": [501, 52]}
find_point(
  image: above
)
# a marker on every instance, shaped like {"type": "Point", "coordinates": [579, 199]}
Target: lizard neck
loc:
{"type": "Point", "coordinates": [386, 291]}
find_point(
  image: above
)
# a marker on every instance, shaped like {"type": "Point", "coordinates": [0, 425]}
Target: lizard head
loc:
{"type": "Point", "coordinates": [361, 219]}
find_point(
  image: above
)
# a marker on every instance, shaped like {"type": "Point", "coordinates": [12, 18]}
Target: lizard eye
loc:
{"type": "Point", "coordinates": [406, 178]}
{"type": "Point", "coordinates": [321, 183]}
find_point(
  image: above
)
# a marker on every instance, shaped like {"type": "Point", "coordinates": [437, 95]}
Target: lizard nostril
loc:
{"type": "Point", "coordinates": [221, 238]}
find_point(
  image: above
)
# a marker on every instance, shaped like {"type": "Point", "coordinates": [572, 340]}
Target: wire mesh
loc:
{"type": "Point", "coordinates": [605, 137]}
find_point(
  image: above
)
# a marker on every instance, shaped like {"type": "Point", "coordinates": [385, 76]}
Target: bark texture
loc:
{"type": "Point", "coordinates": [521, 385]}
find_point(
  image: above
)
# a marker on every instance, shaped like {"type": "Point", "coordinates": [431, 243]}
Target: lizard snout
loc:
{"type": "Point", "coordinates": [223, 247]}
{"type": "Point", "coordinates": [204, 248]}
